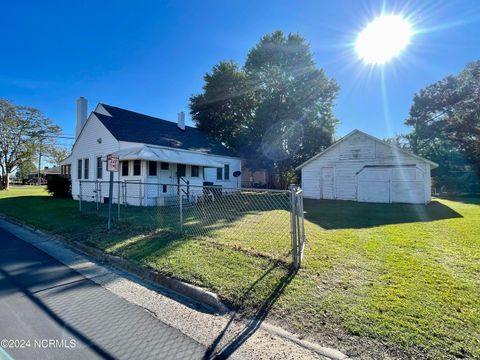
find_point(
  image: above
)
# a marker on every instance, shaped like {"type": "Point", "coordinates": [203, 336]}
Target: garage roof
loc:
{"type": "Point", "coordinates": [356, 131]}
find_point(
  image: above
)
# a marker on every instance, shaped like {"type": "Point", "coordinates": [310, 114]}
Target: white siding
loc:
{"type": "Point", "coordinates": [235, 165]}
{"type": "Point", "coordinates": [89, 145]}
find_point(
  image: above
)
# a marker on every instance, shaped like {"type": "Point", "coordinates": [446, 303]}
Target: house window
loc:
{"type": "Point", "coordinates": [137, 167]}
{"type": "Point", "coordinates": [99, 167]}
{"type": "Point", "coordinates": [227, 172]}
{"type": "Point", "coordinates": [124, 168]}
{"type": "Point", "coordinates": [164, 166]}
{"type": "Point", "coordinates": [164, 188]}
{"type": "Point", "coordinates": [195, 171]}
{"type": "Point", "coordinates": [79, 169]}
{"type": "Point", "coordinates": [152, 168]}
{"type": "Point", "coordinates": [181, 170]}
{"type": "Point", "coordinates": [86, 168]}
{"type": "Point", "coordinates": [219, 173]}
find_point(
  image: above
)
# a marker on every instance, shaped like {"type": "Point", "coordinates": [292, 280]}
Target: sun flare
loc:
{"type": "Point", "coordinates": [383, 39]}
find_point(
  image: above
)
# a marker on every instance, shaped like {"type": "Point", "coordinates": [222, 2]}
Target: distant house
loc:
{"type": "Point", "coordinates": [363, 168]}
{"type": "Point", "coordinates": [45, 173]}
{"type": "Point", "coordinates": [66, 167]}
{"type": "Point", "coordinates": [151, 150]}
{"type": "Point", "coordinates": [255, 178]}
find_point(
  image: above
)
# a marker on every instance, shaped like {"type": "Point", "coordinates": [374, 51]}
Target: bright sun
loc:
{"type": "Point", "coordinates": [383, 39]}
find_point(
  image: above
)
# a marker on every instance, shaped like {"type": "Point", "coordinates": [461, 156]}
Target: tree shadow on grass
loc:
{"type": "Point", "coordinates": [338, 214]}
{"type": "Point", "coordinates": [217, 350]}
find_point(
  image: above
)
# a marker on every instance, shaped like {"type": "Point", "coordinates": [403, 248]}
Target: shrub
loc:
{"type": "Point", "coordinates": [59, 187]}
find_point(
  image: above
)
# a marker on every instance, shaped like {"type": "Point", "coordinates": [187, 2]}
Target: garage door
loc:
{"type": "Point", "coordinates": [405, 184]}
{"type": "Point", "coordinates": [374, 185]}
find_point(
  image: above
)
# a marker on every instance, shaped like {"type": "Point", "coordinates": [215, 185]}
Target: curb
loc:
{"type": "Point", "coordinates": [321, 350]}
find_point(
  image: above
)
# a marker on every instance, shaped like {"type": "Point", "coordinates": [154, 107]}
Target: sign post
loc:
{"type": "Point", "coordinates": [112, 166]}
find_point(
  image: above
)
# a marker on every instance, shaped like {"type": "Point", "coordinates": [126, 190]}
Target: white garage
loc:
{"type": "Point", "coordinates": [360, 167]}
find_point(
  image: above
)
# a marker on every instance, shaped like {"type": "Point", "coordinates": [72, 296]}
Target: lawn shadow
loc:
{"type": "Point", "coordinates": [230, 339]}
{"type": "Point", "coordinates": [339, 214]}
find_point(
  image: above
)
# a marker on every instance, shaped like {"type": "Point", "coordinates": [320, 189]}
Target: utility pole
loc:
{"type": "Point", "coordinates": [39, 163]}
{"type": "Point", "coordinates": [39, 181]}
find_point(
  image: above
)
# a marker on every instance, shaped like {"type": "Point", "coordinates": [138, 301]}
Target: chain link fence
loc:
{"type": "Point", "coordinates": [264, 222]}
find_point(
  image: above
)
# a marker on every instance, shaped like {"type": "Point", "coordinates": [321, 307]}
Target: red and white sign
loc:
{"type": "Point", "coordinates": [112, 163]}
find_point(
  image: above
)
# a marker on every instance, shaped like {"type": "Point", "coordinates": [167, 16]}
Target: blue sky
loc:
{"type": "Point", "coordinates": [150, 56]}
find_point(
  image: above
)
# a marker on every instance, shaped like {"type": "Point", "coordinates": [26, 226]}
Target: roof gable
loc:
{"type": "Point", "coordinates": [134, 127]}
{"type": "Point", "coordinates": [356, 132]}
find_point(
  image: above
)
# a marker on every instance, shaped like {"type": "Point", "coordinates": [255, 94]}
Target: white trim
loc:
{"type": "Point", "coordinates": [356, 131]}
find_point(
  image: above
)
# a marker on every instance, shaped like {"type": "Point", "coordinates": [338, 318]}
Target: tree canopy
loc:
{"type": "Point", "coordinates": [276, 111]}
{"type": "Point", "coordinates": [22, 130]}
{"type": "Point", "coordinates": [445, 117]}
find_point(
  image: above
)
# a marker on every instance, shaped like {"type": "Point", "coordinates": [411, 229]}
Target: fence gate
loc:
{"type": "Point", "coordinates": [297, 225]}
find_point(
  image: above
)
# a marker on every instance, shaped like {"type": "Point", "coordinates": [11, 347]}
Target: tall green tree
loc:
{"type": "Point", "coordinates": [447, 114]}
{"type": "Point", "coordinates": [294, 119]}
{"type": "Point", "coordinates": [277, 111]}
{"type": "Point", "coordinates": [22, 130]}
{"type": "Point", "coordinates": [226, 106]}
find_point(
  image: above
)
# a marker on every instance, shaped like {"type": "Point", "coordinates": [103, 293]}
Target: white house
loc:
{"type": "Point", "coordinates": [151, 150]}
{"type": "Point", "coordinates": [360, 167]}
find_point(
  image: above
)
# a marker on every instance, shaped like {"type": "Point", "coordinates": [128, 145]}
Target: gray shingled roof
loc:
{"type": "Point", "coordinates": [130, 126]}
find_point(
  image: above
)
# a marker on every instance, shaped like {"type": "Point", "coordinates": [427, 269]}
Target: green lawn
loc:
{"type": "Point", "coordinates": [402, 280]}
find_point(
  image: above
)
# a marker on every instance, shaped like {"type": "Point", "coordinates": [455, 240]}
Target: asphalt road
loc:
{"type": "Point", "coordinates": [48, 311]}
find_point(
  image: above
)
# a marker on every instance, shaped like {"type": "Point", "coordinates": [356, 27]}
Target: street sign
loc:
{"type": "Point", "coordinates": [112, 166]}
{"type": "Point", "coordinates": [112, 163]}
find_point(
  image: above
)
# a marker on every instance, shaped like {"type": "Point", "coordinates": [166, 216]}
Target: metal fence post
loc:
{"type": "Point", "coordinates": [180, 206]}
{"type": "Point", "coordinates": [118, 200]}
{"type": "Point", "coordinates": [96, 194]}
{"type": "Point", "coordinates": [125, 192]}
{"type": "Point", "coordinates": [302, 226]}
{"type": "Point", "coordinates": [293, 219]}
{"type": "Point", "coordinates": [80, 195]}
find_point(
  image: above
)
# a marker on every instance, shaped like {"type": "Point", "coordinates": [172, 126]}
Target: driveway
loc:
{"type": "Point", "coordinates": [48, 311]}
